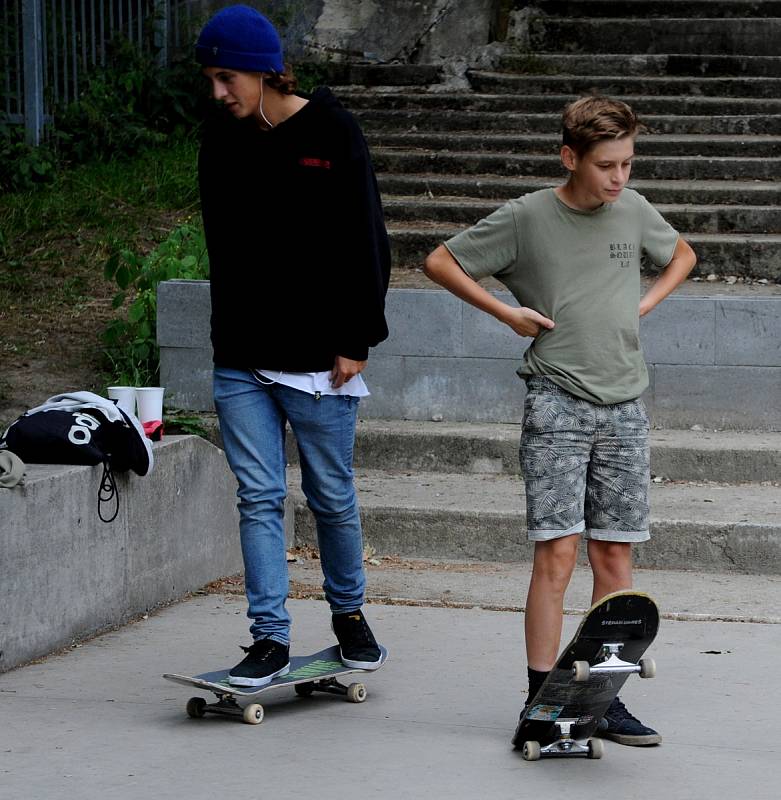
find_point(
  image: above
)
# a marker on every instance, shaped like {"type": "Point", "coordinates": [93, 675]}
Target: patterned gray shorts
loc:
{"type": "Point", "coordinates": [586, 467]}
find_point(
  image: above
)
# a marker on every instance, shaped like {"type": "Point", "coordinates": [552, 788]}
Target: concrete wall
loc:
{"type": "Point", "coordinates": [410, 31]}
{"type": "Point", "coordinates": [64, 574]}
{"type": "Point", "coordinates": [713, 361]}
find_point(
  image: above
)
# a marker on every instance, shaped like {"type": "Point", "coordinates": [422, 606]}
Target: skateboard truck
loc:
{"type": "Point", "coordinates": [355, 692]}
{"type": "Point", "coordinates": [612, 664]}
{"type": "Point", "coordinates": [564, 745]}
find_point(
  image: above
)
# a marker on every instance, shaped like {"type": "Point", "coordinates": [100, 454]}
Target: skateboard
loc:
{"type": "Point", "coordinates": [315, 673]}
{"type": "Point", "coordinates": [590, 672]}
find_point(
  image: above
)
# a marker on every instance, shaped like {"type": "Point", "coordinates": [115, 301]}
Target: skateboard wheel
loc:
{"type": "Point", "coordinates": [356, 692]}
{"type": "Point", "coordinates": [304, 689]}
{"type": "Point", "coordinates": [253, 714]}
{"type": "Point", "coordinates": [581, 671]}
{"type": "Point", "coordinates": [596, 748]}
{"type": "Point", "coordinates": [647, 668]}
{"type": "Point", "coordinates": [195, 707]}
{"type": "Point", "coordinates": [531, 751]}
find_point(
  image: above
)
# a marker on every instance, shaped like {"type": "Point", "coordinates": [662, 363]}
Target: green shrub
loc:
{"type": "Point", "coordinates": [124, 108]}
{"type": "Point", "coordinates": [310, 75]}
{"type": "Point", "coordinates": [131, 342]}
{"type": "Point", "coordinates": [129, 106]}
{"type": "Point", "coordinates": [22, 167]}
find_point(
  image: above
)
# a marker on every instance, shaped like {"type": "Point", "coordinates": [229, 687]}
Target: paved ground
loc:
{"type": "Point", "coordinates": [688, 596]}
{"type": "Point", "coordinates": [99, 721]}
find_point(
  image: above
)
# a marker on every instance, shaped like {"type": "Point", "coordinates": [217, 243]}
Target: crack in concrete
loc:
{"type": "Point", "coordinates": [408, 53]}
{"type": "Point", "coordinates": [722, 543]}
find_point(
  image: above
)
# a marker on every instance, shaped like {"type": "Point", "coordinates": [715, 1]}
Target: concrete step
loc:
{"type": "Point", "coordinates": [656, 167]}
{"type": "Point", "coordinates": [696, 9]}
{"type": "Point", "coordinates": [712, 527]}
{"type": "Point", "coordinates": [468, 448]}
{"type": "Point", "coordinates": [481, 449]}
{"type": "Point", "coordinates": [700, 219]}
{"type": "Point", "coordinates": [751, 256]}
{"type": "Point", "coordinates": [356, 99]}
{"type": "Point", "coordinates": [746, 36]}
{"type": "Point", "coordinates": [438, 120]}
{"type": "Point", "coordinates": [382, 74]}
{"type": "Point", "coordinates": [621, 85]}
{"type": "Point", "coordinates": [678, 64]}
{"type": "Point", "coordinates": [512, 142]}
{"type": "Point", "coordinates": [500, 188]}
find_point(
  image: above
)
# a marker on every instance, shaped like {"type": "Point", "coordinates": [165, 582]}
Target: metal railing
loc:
{"type": "Point", "coordinates": [47, 46]}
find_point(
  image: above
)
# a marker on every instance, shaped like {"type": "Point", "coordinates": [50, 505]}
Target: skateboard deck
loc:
{"type": "Point", "coordinates": [314, 673]}
{"type": "Point", "coordinates": [592, 668]}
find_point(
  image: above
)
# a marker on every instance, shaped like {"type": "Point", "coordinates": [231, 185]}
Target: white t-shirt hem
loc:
{"type": "Point", "coordinates": [314, 382]}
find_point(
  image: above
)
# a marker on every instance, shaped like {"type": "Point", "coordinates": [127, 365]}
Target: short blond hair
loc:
{"type": "Point", "coordinates": [593, 119]}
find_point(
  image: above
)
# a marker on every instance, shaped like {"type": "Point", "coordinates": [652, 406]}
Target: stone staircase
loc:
{"type": "Point", "coordinates": [704, 76]}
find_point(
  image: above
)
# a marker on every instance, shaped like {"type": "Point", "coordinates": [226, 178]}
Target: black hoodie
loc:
{"type": "Point", "coordinates": [299, 256]}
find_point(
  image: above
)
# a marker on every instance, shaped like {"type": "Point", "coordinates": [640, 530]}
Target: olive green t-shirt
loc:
{"type": "Point", "coordinates": [582, 270]}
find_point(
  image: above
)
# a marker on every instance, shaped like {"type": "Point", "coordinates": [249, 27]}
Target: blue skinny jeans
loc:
{"type": "Point", "coordinates": [252, 419]}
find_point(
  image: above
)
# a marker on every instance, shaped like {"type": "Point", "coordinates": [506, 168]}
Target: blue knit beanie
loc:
{"type": "Point", "coordinates": [239, 37]}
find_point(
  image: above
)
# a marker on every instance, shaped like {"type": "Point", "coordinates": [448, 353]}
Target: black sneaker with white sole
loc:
{"type": "Point", "coordinates": [357, 646]}
{"type": "Point", "coordinates": [620, 726]}
{"type": "Point", "coordinates": [265, 660]}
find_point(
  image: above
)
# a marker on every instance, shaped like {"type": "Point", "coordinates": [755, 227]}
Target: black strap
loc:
{"type": "Point", "coordinates": [108, 492]}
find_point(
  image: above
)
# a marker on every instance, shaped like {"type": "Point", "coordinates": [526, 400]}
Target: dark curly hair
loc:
{"type": "Point", "coordinates": [284, 82]}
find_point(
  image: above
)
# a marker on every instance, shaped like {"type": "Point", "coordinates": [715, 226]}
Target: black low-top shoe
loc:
{"type": "Point", "coordinates": [265, 660]}
{"type": "Point", "coordinates": [357, 646]}
{"type": "Point", "coordinates": [620, 726]}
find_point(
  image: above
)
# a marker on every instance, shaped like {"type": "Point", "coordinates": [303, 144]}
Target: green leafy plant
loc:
{"type": "Point", "coordinates": [22, 167]}
{"type": "Point", "coordinates": [182, 422]}
{"type": "Point", "coordinates": [131, 345]}
{"type": "Point", "coordinates": [310, 75]}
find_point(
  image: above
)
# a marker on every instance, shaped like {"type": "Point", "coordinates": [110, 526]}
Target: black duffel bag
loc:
{"type": "Point", "coordinates": [82, 428]}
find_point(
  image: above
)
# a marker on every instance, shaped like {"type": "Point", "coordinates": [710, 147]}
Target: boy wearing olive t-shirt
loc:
{"type": "Point", "coordinates": [571, 258]}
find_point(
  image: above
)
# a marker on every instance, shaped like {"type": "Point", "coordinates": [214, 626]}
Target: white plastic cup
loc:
{"type": "Point", "coordinates": [125, 397]}
{"type": "Point", "coordinates": [150, 403]}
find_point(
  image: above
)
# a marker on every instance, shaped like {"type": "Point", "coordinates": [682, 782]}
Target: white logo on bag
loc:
{"type": "Point", "coordinates": [80, 433]}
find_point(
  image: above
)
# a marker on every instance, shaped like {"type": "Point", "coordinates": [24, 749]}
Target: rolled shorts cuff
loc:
{"type": "Point", "coordinates": [547, 534]}
{"type": "Point", "coordinates": [606, 535]}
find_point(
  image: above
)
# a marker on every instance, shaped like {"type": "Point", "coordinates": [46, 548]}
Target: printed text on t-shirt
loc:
{"type": "Point", "coordinates": [624, 253]}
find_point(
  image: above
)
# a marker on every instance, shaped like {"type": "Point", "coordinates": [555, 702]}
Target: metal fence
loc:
{"type": "Point", "coordinates": [47, 46]}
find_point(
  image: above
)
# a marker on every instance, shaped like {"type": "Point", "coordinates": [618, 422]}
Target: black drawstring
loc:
{"type": "Point", "coordinates": [108, 492]}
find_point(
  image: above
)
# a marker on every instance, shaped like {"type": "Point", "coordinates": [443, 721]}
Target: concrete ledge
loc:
{"type": "Point", "coordinates": [488, 536]}
{"type": "Point", "coordinates": [483, 448]}
{"type": "Point", "coordinates": [66, 574]}
{"type": "Point", "coordinates": [713, 360]}
{"type": "Point", "coordinates": [473, 517]}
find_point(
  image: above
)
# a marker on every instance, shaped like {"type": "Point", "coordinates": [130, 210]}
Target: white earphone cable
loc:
{"type": "Point", "coordinates": [260, 107]}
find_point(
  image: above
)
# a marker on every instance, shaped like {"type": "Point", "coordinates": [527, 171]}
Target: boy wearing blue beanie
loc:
{"type": "Point", "coordinates": [300, 263]}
